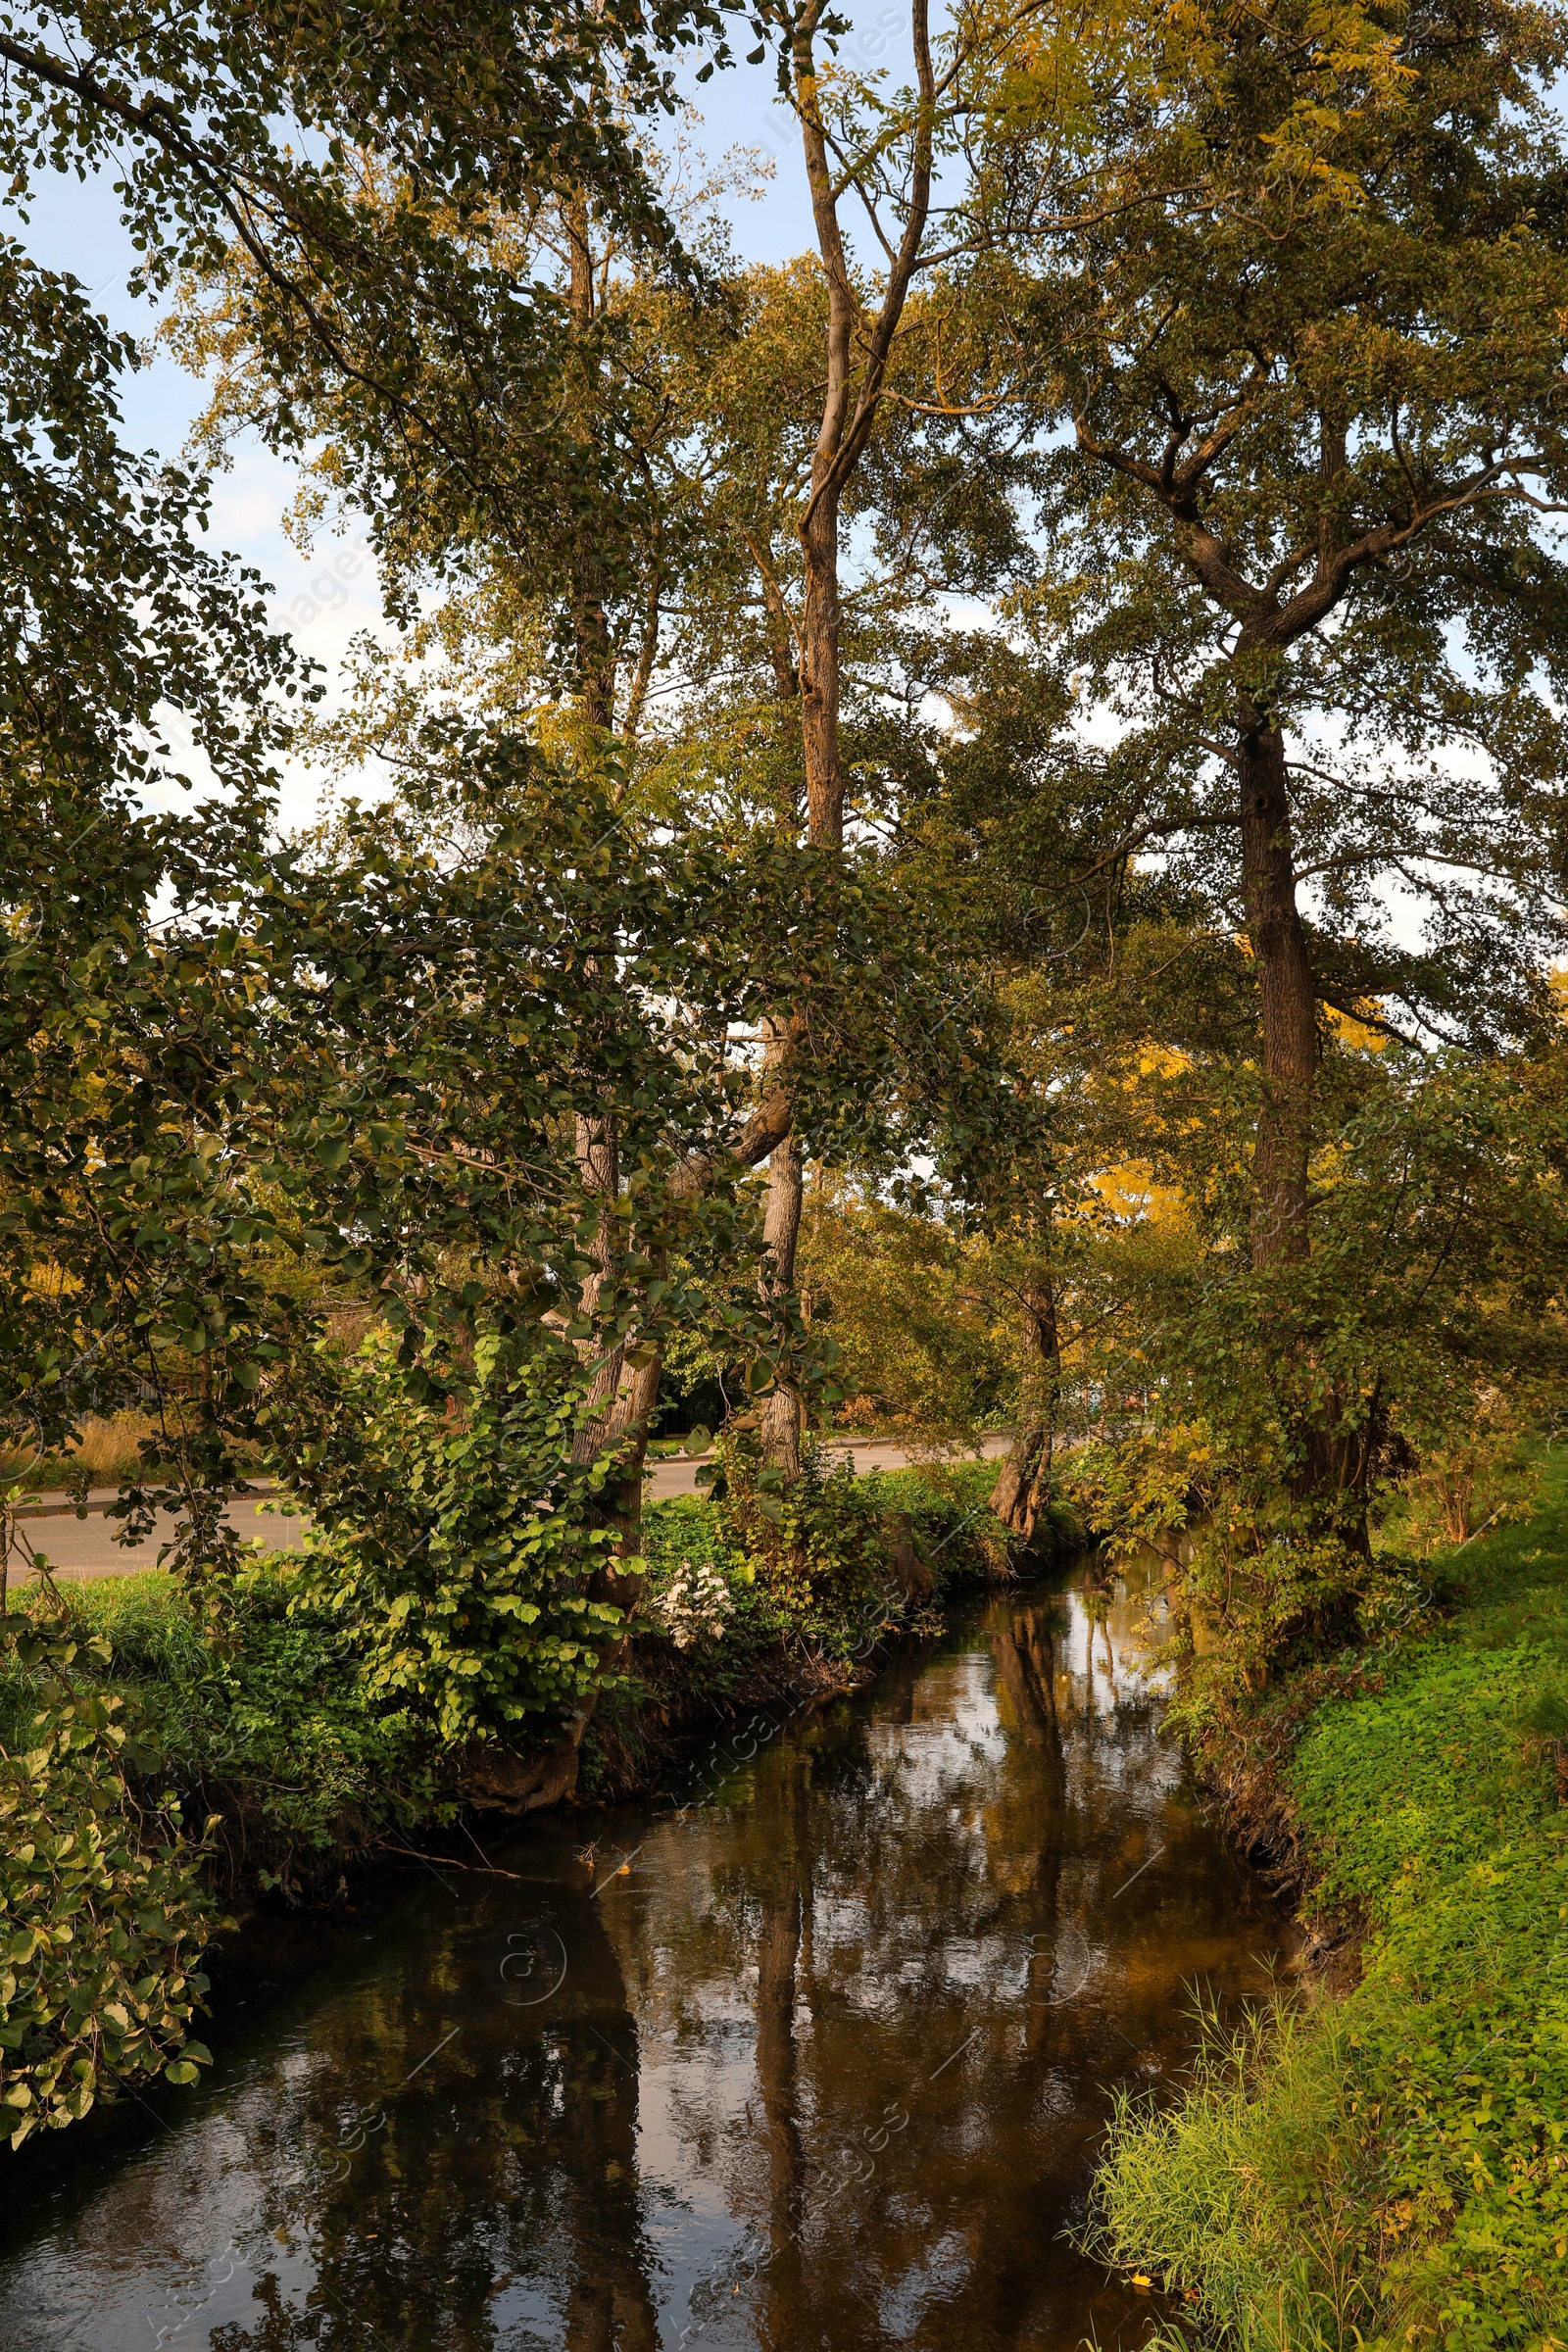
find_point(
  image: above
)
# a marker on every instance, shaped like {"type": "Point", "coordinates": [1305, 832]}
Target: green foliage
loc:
{"type": "Point", "coordinates": [1314, 447]}
{"type": "Point", "coordinates": [689, 1527]}
{"type": "Point", "coordinates": [457, 1536]}
{"type": "Point", "coordinates": [1398, 2156]}
{"type": "Point", "coordinates": [1308, 1427]}
{"type": "Point", "coordinates": [1245, 2202]}
{"type": "Point", "coordinates": [256, 1710]}
{"type": "Point", "coordinates": [948, 1505]}
{"type": "Point", "coordinates": [126, 648]}
{"type": "Point", "coordinates": [205, 121]}
{"type": "Point", "coordinates": [899, 1292]}
{"type": "Point", "coordinates": [815, 1544]}
{"type": "Point", "coordinates": [817, 1551]}
{"type": "Point", "coordinates": [809, 1571]}
{"type": "Point", "coordinates": [103, 1914]}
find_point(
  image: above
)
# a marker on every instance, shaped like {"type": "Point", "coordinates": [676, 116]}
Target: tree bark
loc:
{"type": "Point", "coordinates": [1022, 1491]}
{"type": "Point", "coordinates": [621, 1396]}
{"type": "Point", "coordinates": [1287, 1001]}
{"type": "Point", "coordinates": [849, 413]}
{"type": "Point", "coordinates": [820, 680]}
{"type": "Point", "coordinates": [590, 623]}
{"type": "Point", "coordinates": [820, 529]}
{"type": "Point", "coordinates": [781, 1415]}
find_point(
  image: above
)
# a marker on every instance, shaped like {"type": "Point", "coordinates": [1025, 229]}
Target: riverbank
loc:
{"type": "Point", "coordinates": [259, 1719]}
{"type": "Point", "coordinates": [1383, 2162]}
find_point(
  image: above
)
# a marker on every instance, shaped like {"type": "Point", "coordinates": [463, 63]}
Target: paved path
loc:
{"type": "Point", "coordinates": [88, 1547]}
{"type": "Point", "coordinates": [677, 1475]}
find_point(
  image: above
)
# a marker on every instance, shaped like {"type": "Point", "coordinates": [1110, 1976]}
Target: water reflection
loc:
{"type": "Point", "coordinates": [823, 2064]}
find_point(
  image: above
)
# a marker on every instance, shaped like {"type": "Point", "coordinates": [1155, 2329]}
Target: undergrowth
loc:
{"type": "Point", "coordinates": [806, 1581]}
{"type": "Point", "coordinates": [259, 1717]}
{"type": "Point", "coordinates": [258, 1711]}
{"type": "Point", "coordinates": [1388, 2167]}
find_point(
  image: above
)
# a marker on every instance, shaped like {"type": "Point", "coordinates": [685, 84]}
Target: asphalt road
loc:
{"type": "Point", "coordinates": [86, 1547]}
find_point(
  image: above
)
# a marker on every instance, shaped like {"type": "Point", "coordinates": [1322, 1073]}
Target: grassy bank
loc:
{"type": "Point", "coordinates": [1383, 2163]}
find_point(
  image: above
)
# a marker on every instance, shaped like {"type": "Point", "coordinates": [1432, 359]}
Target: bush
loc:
{"type": "Point", "coordinates": [255, 1707]}
{"type": "Point", "coordinates": [455, 1541]}
{"type": "Point", "coordinates": [816, 1553]}
{"type": "Point", "coordinates": [103, 1914]}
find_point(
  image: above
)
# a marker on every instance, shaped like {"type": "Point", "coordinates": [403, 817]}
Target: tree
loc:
{"type": "Point", "coordinates": [257, 128]}
{"type": "Point", "coordinates": [443, 1009]}
{"type": "Point", "coordinates": [699, 448]}
{"type": "Point", "coordinates": [1299, 536]}
{"type": "Point", "coordinates": [347, 172]}
{"type": "Point", "coordinates": [883, 153]}
{"type": "Point", "coordinates": [219, 134]}
{"type": "Point", "coordinates": [124, 1016]}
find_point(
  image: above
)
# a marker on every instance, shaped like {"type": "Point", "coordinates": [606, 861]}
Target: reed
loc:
{"type": "Point", "coordinates": [1245, 2198]}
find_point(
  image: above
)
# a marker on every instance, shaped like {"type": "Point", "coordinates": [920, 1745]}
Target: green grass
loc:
{"type": "Point", "coordinates": [1390, 2168]}
{"type": "Point", "coordinates": [265, 1723]}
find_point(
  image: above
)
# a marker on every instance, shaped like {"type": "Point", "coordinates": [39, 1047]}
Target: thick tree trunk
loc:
{"type": "Point", "coordinates": [1287, 1001]}
{"type": "Point", "coordinates": [820, 676]}
{"type": "Point", "coordinates": [1022, 1490]}
{"type": "Point", "coordinates": [1333, 1468]}
{"type": "Point", "coordinates": [781, 1415]}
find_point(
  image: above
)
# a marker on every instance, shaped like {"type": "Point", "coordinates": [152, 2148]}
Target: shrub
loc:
{"type": "Point", "coordinates": [455, 1542]}
{"type": "Point", "coordinates": [103, 1914]}
{"type": "Point", "coordinates": [256, 1705]}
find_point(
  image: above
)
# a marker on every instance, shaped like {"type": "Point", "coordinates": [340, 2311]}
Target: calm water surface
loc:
{"type": "Point", "coordinates": [823, 2064]}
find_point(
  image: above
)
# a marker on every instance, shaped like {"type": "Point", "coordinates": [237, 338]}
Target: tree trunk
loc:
{"type": "Point", "coordinates": [819, 672]}
{"type": "Point", "coordinates": [1332, 1469]}
{"type": "Point", "coordinates": [820, 693]}
{"type": "Point", "coordinates": [1287, 1002]}
{"type": "Point", "coordinates": [781, 1415]}
{"type": "Point", "coordinates": [845, 423]}
{"type": "Point", "coordinates": [1022, 1491]}
{"type": "Point", "coordinates": [593, 646]}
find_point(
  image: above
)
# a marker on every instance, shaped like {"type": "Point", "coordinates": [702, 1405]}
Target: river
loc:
{"type": "Point", "coordinates": [819, 2062]}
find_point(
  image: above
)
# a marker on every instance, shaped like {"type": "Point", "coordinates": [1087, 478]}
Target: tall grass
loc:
{"type": "Point", "coordinates": [1249, 2196]}
{"type": "Point", "coordinates": [108, 1451]}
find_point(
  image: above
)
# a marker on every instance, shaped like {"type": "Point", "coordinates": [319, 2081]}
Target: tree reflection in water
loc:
{"type": "Point", "coordinates": [825, 2068]}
